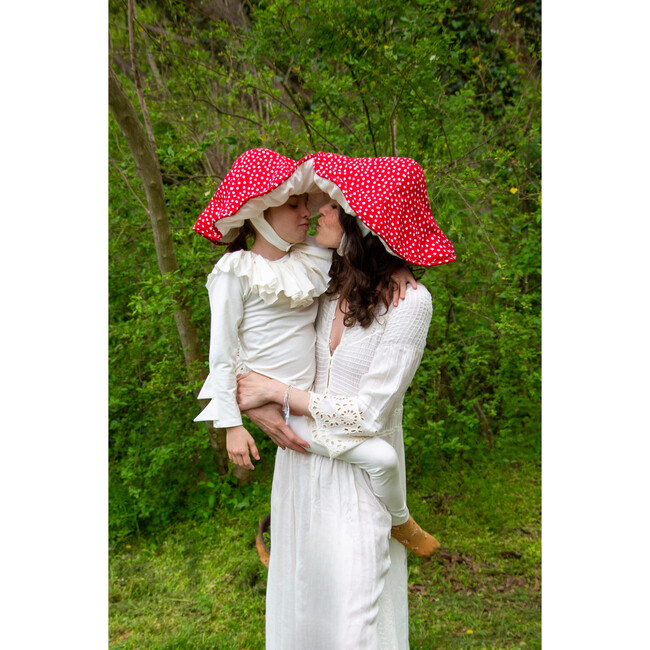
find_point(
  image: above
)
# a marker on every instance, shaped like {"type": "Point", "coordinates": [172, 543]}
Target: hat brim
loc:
{"type": "Point", "coordinates": [300, 182]}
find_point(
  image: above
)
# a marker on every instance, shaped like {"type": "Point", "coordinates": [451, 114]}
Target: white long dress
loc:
{"type": "Point", "coordinates": [336, 579]}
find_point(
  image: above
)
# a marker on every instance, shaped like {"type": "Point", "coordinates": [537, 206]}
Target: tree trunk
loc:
{"type": "Point", "coordinates": [146, 163]}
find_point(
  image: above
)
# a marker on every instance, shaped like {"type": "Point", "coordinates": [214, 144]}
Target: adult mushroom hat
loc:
{"type": "Point", "coordinates": [389, 197]}
{"type": "Point", "coordinates": [259, 179]}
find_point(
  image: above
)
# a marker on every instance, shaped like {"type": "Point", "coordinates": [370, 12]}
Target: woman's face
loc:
{"type": "Point", "coordinates": [290, 220]}
{"type": "Point", "coordinates": [329, 229]}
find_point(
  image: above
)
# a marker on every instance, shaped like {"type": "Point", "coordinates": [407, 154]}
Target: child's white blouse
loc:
{"type": "Point", "coordinates": [262, 319]}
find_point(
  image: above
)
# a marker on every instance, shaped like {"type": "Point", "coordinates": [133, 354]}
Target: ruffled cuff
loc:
{"type": "Point", "coordinates": [222, 408]}
{"type": "Point", "coordinates": [220, 420]}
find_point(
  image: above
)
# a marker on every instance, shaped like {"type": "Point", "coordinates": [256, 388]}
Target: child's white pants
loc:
{"type": "Point", "coordinates": [375, 456]}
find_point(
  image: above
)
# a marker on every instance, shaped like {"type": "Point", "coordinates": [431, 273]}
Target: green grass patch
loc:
{"type": "Point", "coordinates": [201, 585]}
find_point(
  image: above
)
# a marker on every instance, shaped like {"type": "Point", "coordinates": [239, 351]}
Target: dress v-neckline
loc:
{"type": "Point", "coordinates": [333, 319]}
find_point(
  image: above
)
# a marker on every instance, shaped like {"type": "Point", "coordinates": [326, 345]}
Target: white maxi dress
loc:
{"type": "Point", "coordinates": [337, 580]}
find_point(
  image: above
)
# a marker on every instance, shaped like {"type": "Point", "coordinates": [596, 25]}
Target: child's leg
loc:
{"type": "Point", "coordinates": [375, 456]}
{"type": "Point", "coordinates": [379, 459]}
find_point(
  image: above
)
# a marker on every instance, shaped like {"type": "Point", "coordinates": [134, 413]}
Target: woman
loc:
{"type": "Point", "coordinates": [336, 578]}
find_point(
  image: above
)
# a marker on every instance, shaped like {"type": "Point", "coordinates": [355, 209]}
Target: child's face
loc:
{"type": "Point", "coordinates": [329, 229]}
{"type": "Point", "coordinates": [291, 220]}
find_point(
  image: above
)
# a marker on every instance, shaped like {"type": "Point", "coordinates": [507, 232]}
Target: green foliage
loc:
{"type": "Point", "coordinates": [454, 85]}
{"type": "Point", "coordinates": [200, 584]}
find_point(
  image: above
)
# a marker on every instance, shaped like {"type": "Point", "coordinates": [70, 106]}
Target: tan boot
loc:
{"type": "Point", "coordinates": [260, 544]}
{"type": "Point", "coordinates": [415, 539]}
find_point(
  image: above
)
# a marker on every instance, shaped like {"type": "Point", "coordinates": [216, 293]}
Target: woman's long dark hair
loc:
{"type": "Point", "coordinates": [362, 276]}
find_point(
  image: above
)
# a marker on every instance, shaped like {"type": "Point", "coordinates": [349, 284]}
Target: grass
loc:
{"type": "Point", "coordinates": [199, 585]}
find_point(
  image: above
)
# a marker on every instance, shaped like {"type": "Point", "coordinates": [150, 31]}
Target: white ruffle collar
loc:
{"type": "Point", "coordinates": [301, 275]}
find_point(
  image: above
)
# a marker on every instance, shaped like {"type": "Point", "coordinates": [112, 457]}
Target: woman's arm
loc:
{"type": "Point", "coordinates": [255, 390]}
{"type": "Point", "coordinates": [381, 389]}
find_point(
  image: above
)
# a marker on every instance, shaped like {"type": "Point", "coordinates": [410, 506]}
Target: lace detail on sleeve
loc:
{"type": "Point", "coordinates": [338, 423]}
{"type": "Point", "coordinates": [338, 412]}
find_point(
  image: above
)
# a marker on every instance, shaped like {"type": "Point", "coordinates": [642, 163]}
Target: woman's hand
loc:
{"type": "Point", "coordinates": [238, 444]}
{"type": "Point", "coordinates": [269, 419]}
{"type": "Point", "coordinates": [401, 278]}
{"type": "Point", "coordinates": [255, 390]}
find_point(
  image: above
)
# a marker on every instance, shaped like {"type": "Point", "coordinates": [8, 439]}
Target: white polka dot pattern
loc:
{"type": "Point", "coordinates": [254, 173]}
{"type": "Point", "coordinates": [389, 195]}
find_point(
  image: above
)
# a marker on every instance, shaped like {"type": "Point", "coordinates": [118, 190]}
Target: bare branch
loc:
{"type": "Point", "coordinates": [478, 219]}
{"type": "Point", "coordinates": [341, 121]}
{"type": "Point", "coordinates": [126, 182]}
{"type": "Point", "coordinates": [300, 114]}
{"type": "Point", "coordinates": [163, 32]}
{"type": "Point", "coordinates": [156, 73]}
{"type": "Point", "coordinates": [138, 80]}
{"type": "Point", "coordinates": [365, 108]}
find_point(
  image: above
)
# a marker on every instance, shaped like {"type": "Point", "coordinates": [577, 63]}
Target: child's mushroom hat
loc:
{"type": "Point", "coordinates": [389, 197]}
{"type": "Point", "coordinates": [259, 179]}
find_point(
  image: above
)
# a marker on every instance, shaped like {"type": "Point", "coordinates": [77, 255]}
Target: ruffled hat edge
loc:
{"type": "Point", "coordinates": [259, 179]}
{"type": "Point", "coordinates": [389, 197]}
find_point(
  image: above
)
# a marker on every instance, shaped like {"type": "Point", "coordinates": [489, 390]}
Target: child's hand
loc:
{"type": "Point", "coordinates": [400, 279]}
{"type": "Point", "coordinates": [238, 443]}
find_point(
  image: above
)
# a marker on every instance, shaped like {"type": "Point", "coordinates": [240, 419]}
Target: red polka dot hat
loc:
{"type": "Point", "coordinates": [259, 179]}
{"type": "Point", "coordinates": [389, 196]}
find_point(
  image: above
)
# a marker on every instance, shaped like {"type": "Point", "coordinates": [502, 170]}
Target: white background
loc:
{"type": "Point", "coordinates": [53, 238]}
